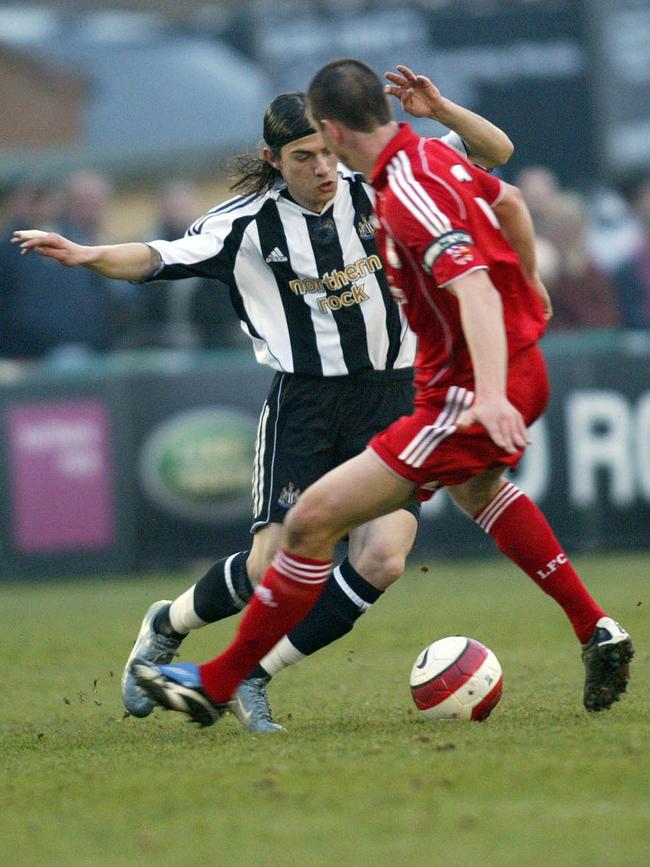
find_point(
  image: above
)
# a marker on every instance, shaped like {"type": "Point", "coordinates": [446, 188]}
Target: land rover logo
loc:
{"type": "Point", "coordinates": [198, 464]}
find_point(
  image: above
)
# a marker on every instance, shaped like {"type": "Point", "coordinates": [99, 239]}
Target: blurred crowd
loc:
{"type": "Point", "coordinates": [593, 251]}
{"type": "Point", "coordinates": [594, 256]}
{"type": "Point", "coordinates": [67, 314]}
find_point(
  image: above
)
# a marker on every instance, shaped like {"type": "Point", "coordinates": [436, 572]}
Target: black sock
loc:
{"type": "Point", "coordinates": [258, 672]}
{"type": "Point", "coordinates": [163, 625]}
{"type": "Point", "coordinates": [345, 597]}
{"type": "Point", "coordinates": [224, 589]}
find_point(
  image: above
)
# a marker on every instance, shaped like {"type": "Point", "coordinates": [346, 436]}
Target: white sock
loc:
{"type": "Point", "coordinates": [182, 615]}
{"type": "Point", "coordinates": [281, 656]}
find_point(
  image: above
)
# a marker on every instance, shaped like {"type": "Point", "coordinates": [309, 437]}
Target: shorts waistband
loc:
{"type": "Point", "coordinates": [399, 374]}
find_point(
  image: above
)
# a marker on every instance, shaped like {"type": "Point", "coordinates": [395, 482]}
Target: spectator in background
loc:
{"type": "Point", "coordinates": [184, 313]}
{"type": "Point", "coordinates": [30, 200]}
{"type": "Point", "coordinates": [632, 278]}
{"type": "Point", "coordinates": [583, 295]}
{"type": "Point", "coordinates": [540, 189]}
{"type": "Point", "coordinates": [614, 233]}
{"type": "Point", "coordinates": [35, 203]}
{"type": "Point", "coordinates": [48, 312]}
{"type": "Point", "coordinates": [88, 198]}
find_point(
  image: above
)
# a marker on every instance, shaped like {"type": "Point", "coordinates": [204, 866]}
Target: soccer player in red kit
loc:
{"type": "Point", "coordinates": [459, 247]}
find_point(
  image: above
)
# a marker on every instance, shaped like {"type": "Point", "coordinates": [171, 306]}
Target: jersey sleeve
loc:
{"type": "Point", "coordinates": [428, 219]}
{"type": "Point", "coordinates": [491, 188]}
{"type": "Point", "coordinates": [204, 251]}
{"type": "Point", "coordinates": [451, 256]}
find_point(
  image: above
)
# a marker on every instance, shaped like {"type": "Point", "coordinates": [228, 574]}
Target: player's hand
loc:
{"type": "Point", "coordinates": [544, 297]}
{"type": "Point", "coordinates": [417, 94]}
{"type": "Point", "coordinates": [49, 244]}
{"type": "Point", "coordinates": [503, 422]}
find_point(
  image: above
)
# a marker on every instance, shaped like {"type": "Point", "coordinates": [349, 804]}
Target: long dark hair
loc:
{"type": "Point", "coordinates": [285, 120]}
{"type": "Point", "coordinates": [250, 173]}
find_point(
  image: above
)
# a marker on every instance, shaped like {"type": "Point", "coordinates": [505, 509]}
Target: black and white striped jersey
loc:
{"type": "Point", "coordinates": [310, 289]}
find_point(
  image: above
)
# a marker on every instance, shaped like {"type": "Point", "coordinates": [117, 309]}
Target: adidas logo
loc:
{"type": "Point", "coordinates": [265, 595]}
{"type": "Point", "coordinates": [276, 255]}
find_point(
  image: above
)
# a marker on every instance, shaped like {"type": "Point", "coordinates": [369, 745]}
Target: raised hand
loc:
{"type": "Point", "coordinates": [417, 94]}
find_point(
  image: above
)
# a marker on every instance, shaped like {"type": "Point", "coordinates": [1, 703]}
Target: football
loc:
{"type": "Point", "coordinates": [456, 678]}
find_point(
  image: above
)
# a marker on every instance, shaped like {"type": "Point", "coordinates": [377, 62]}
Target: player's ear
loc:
{"type": "Point", "coordinates": [332, 129]}
{"type": "Point", "coordinates": [268, 155]}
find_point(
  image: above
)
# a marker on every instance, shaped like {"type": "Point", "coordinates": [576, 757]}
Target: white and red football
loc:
{"type": "Point", "coordinates": [456, 678]}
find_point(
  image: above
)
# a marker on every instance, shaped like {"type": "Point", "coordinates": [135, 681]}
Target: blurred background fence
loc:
{"type": "Point", "coordinates": [127, 414]}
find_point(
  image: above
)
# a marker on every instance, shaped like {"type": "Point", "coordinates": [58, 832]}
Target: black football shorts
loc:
{"type": "Point", "coordinates": [309, 425]}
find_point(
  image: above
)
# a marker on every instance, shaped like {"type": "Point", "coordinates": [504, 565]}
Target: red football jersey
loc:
{"type": "Point", "coordinates": [437, 223]}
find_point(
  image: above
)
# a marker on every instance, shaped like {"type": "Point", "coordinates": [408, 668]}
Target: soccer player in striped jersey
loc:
{"type": "Point", "coordinates": [296, 248]}
{"type": "Point", "coordinates": [459, 247]}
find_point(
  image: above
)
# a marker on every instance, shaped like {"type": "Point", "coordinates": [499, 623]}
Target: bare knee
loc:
{"type": "Point", "coordinates": [464, 499]}
{"type": "Point", "coordinates": [474, 494]}
{"type": "Point", "coordinates": [380, 565]}
{"type": "Point", "coordinates": [307, 524]}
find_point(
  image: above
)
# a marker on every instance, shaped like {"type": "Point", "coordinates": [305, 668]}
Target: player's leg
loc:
{"type": "Point", "coordinates": [352, 494]}
{"type": "Point", "coordinates": [227, 586]}
{"type": "Point", "coordinates": [377, 550]}
{"type": "Point", "coordinates": [224, 590]}
{"type": "Point", "coordinates": [284, 463]}
{"type": "Point", "coordinates": [376, 555]}
{"type": "Point", "coordinates": [523, 534]}
{"type": "Point", "coordinates": [352, 411]}
{"type": "Point", "coordinates": [348, 496]}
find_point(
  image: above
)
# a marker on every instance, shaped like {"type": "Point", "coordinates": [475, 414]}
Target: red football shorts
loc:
{"type": "Point", "coordinates": [427, 448]}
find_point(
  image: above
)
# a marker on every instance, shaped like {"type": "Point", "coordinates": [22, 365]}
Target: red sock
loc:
{"type": "Point", "coordinates": [523, 534]}
{"type": "Point", "coordinates": [289, 589]}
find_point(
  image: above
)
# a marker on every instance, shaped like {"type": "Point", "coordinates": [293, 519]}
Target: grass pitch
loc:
{"type": "Point", "coordinates": [360, 777]}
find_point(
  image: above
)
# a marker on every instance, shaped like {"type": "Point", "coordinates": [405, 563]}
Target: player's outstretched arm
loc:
{"type": "Point", "coordinates": [119, 261]}
{"type": "Point", "coordinates": [517, 226]}
{"type": "Point", "coordinates": [487, 145]}
{"type": "Point", "coordinates": [481, 315]}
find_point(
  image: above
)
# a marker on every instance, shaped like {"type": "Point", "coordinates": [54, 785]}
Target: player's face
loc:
{"type": "Point", "coordinates": [309, 168]}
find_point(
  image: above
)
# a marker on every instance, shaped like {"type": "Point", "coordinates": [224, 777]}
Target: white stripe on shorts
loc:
{"type": "Point", "coordinates": [258, 470]}
{"type": "Point", "coordinates": [430, 436]}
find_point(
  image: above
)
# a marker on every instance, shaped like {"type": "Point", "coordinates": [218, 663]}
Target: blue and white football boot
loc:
{"type": "Point", "coordinates": [178, 687]}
